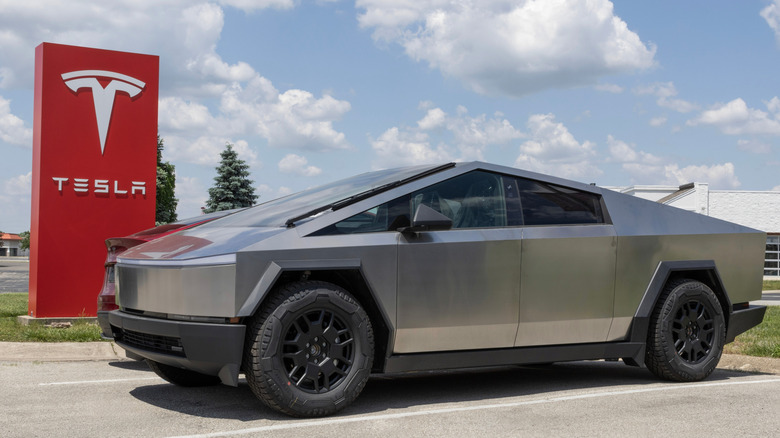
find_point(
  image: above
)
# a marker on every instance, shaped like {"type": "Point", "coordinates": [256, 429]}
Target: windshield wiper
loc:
{"type": "Point", "coordinates": [363, 195]}
{"type": "Point", "coordinates": [385, 187]}
{"type": "Point", "coordinates": [291, 222]}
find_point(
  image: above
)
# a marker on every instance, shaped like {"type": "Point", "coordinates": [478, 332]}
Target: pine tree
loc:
{"type": "Point", "coordinates": [166, 188]}
{"type": "Point", "coordinates": [232, 188]}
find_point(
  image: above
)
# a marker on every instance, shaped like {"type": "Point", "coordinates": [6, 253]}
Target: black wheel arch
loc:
{"type": "Point", "coordinates": [704, 271]}
{"type": "Point", "coordinates": [350, 277]}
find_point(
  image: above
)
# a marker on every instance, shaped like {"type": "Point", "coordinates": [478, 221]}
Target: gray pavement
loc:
{"type": "Point", "coordinates": [93, 389]}
{"type": "Point", "coordinates": [120, 398]}
{"type": "Point", "coordinates": [14, 274]}
{"type": "Point", "coordinates": [769, 298]}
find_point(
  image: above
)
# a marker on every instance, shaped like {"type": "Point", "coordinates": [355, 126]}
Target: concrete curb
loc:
{"type": "Point", "coordinates": [60, 351]}
{"type": "Point", "coordinates": [750, 364]}
{"type": "Point", "coordinates": [97, 351]}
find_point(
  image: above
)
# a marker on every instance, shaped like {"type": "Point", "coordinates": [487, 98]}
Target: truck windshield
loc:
{"type": "Point", "coordinates": [289, 209]}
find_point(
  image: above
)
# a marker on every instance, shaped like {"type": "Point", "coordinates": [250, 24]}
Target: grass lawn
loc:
{"type": "Point", "coordinates": [771, 284]}
{"type": "Point", "coordinates": [763, 340]}
{"type": "Point", "coordinates": [13, 305]}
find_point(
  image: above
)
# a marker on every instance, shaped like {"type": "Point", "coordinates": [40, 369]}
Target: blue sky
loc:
{"type": "Point", "coordinates": [621, 93]}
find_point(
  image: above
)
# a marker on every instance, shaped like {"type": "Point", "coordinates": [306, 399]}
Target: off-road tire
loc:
{"type": "Point", "coordinates": [686, 333]}
{"type": "Point", "coordinates": [293, 374]}
{"type": "Point", "coordinates": [180, 376]}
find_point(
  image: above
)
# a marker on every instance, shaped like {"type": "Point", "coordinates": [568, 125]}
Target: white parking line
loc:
{"type": "Point", "coordinates": [328, 422]}
{"type": "Point", "coordinates": [89, 382]}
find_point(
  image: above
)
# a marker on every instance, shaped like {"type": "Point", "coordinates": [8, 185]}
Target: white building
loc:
{"type": "Point", "coordinates": [759, 210]}
{"type": "Point", "coordinates": [11, 245]}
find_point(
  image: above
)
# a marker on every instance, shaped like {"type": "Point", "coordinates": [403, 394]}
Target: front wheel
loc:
{"type": "Point", "coordinates": [687, 332]}
{"type": "Point", "coordinates": [310, 350]}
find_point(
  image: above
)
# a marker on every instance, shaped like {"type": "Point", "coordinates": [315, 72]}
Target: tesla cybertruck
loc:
{"type": "Point", "coordinates": [435, 267]}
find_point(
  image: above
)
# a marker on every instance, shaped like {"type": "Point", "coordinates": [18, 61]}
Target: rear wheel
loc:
{"type": "Point", "coordinates": [687, 332]}
{"type": "Point", "coordinates": [310, 350]}
{"type": "Point", "coordinates": [180, 376]}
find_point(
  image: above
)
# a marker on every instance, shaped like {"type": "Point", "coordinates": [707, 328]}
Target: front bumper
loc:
{"type": "Point", "coordinates": [743, 320]}
{"type": "Point", "coordinates": [105, 327]}
{"type": "Point", "coordinates": [212, 349]}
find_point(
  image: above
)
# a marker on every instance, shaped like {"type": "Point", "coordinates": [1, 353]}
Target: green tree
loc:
{"type": "Point", "coordinates": [25, 244]}
{"type": "Point", "coordinates": [232, 188]}
{"type": "Point", "coordinates": [166, 188]}
{"type": "Point", "coordinates": [1, 238]}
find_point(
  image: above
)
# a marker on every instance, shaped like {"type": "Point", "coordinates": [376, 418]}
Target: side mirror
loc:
{"type": "Point", "coordinates": [427, 219]}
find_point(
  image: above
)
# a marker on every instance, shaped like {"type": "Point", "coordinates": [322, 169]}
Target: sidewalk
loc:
{"type": "Point", "coordinates": [60, 351]}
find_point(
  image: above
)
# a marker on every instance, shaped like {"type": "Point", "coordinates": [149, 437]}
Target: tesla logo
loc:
{"type": "Point", "coordinates": [103, 97]}
{"type": "Point", "coordinates": [81, 185]}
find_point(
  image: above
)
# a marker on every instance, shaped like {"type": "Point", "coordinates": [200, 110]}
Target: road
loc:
{"type": "Point", "coordinates": [123, 399]}
{"type": "Point", "coordinates": [769, 298]}
{"type": "Point", "coordinates": [14, 274]}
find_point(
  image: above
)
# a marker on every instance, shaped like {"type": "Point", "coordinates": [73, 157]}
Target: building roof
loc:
{"type": "Point", "coordinates": [7, 236]}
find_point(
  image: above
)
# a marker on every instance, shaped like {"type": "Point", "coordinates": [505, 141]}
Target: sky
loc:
{"type": "Point", "coordinates": [613, 93]}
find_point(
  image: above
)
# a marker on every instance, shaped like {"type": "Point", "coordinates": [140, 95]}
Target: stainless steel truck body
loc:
{"type": "Point", "coordinates": [434, 267]}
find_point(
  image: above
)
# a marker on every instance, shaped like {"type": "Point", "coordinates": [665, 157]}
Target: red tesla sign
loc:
{"type": "Point", "coordinates": [94, 168]}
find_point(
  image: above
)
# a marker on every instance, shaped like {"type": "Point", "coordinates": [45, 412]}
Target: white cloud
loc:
{"type": "Point", "coordinates": [665, 92]}
{"type": "Point", "coordinates": [297, 165]}
{"type": "Point", "coordinates": [19, 186]}
{"type": "Point", "coordinates": [753, 146]}
{"type": "Point", "coordinates": [294, 119]}
{"type": "Point", "coordinates": [192, 195]}
{"type": "Point", "coordinates": [553, 149]}
{"type": "Point", "coordinates": [736, 118]}
{"type": "Point", "coordinates": [15, 199]}
{"type": "Point", "coordinates": [205, 150]}
{"type": "Point", "coordinates": [771, 14]}
{"type": "Point", "coordinates": [253, 5]}
{"type": "Point", "coordinates": [641, 165]}
{"type": "Point", "coordinates": [472, 135]}
{"type": "Point", "coordinates": [207, 98]}
{"type": "Point", "coordinates": [176, 114]}
{"type": "Point", "coordinates": [246, 153]}
{"type": "Point", "coordinates": [267, 193]}
{"type": "Point", "coordinates": [657, 121]}
{"type": "Point", "coordinates": [459, 136]}
{"type": "Point", "coordinates": [435, 118]}
{"type": "Point", "coordinates": [182, 33]}
{"type": "Point", "coordinates": [12, 129]}
{"type": "Point", "coordinates": [719, 176]}
{"type": "Point", "coordinates": [776, 188]}
{"type": "Point", "coordinates": [609, 88]}
{"type": "Point", "coordinates": [509, 47]}
{"type": "Point", "coordinates": [646, 168]}
{"type": "Point", "coordinates": [622, 152]}
{"type": "Point", "coordinates": [395, 148]}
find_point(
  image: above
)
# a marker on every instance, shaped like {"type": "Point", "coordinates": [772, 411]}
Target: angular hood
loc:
{"type": "Point", "coordinates": [201, 242]}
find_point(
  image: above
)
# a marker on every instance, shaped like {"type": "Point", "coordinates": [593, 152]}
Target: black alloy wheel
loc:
{"type": "Point", "coordinates": [318, 351]}
{"type": "Point", "coordinates": [687, 332]}
{"type": "Point", "coordinates": [693, 331]}
{"type": "Point", "coordinates": [310, 349]}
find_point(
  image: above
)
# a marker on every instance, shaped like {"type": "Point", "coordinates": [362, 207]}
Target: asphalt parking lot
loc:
{"type": "Point", "coordinates": [124, 399]}
{"type": "Point", "coordinates": [14, 274]}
